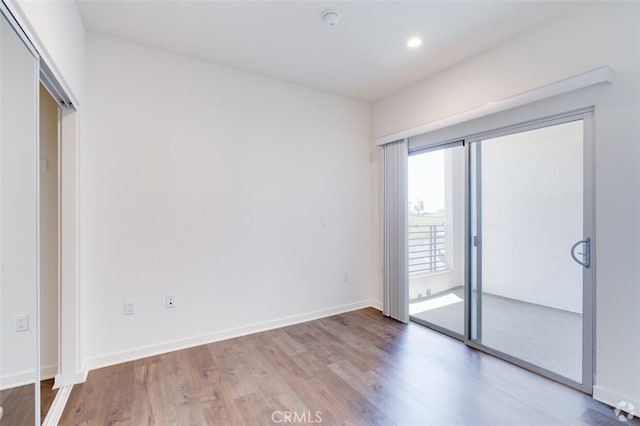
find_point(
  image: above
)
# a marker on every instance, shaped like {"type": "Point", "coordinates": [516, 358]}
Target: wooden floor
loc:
{"type": "Point", "coordinates": [358, 368]}
{"type": "Point", "coordinates": [18, 403]}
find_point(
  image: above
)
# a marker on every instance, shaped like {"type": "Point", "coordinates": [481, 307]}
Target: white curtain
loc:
{"type": "Point", "coordinates": [395, 205]}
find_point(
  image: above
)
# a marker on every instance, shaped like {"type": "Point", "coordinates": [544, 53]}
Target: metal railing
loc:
{"type": "Point", "coordinates": [426, 248]}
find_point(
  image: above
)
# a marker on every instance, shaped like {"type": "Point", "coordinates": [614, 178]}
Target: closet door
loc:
{"type": "Point", "coordinates": [18, 229]}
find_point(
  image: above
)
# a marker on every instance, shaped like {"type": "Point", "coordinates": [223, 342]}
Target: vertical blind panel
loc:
{"type": "Point", "coordinates": [396, 277]}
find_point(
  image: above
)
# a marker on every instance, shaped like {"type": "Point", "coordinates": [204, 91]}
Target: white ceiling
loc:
{"type": "Point", "coordinates": [363, 57]}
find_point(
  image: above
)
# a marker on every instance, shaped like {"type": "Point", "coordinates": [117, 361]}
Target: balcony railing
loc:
{"type": "Point", "coordinates": [426, 248]}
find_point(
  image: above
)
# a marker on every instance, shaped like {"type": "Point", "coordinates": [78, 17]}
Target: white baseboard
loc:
{"type": "Point", "coordinates": [151, 350]}
{"type": "Point", "coordinates": [17, 379]}
{"type": "Point", "coordinates": [70, 379]}
{"type": "Point", "coordinates": [375, 304]}
{"type": "Point", "coordinates": [613, 398]}
{"type": "Point", "coordinates": [48, 372]}
{"type": "Point", "coordinates": [27, 377]}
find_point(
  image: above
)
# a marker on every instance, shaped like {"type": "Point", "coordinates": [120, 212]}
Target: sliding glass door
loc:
{"type": "Point", "coordinates": [530, 249]}
{"type": "Point", "coordinates": [499, 243]}
{"type": "Point", "coordinates": [436, 238]}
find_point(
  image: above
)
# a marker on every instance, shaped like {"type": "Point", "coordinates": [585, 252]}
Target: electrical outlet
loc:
{"type": "Point", "coordinates": [170, 301]}
{"type": "Point", "coordinates": [22, 323]}
{"type": "Point", "coordinates": [129, 307]}
{"type": "Point", "coordinates": [345, 277]}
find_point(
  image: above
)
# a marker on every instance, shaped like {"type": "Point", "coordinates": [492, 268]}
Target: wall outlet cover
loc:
{"type": "Point", "coordinates": [21, 323]}
{"type": "Point", "coordinates": [170, 301]}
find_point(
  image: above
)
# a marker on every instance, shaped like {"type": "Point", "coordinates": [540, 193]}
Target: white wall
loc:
{"type": "Point", "coordinates": [245, 197]}
{"type": "Point", "coordinates": [609, 34]}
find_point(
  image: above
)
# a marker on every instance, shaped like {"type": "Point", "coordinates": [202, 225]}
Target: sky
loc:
{"type": "Point", "coordinates": [426, 180]}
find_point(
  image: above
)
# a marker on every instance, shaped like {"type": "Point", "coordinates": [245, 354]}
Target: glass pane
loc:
{"type": "Point", "coordinates": [18, 224]}
{"type": "Point", "coordinates": [436, 238]}
{"type": "Point", "coordinates": [527, 194]}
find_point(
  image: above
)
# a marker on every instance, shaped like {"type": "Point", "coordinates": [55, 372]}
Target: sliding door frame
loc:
{"type": "Point", "coordinates": [588, 274]}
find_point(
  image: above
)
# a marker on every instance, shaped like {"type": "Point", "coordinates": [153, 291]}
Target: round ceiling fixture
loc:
{"type": "Point", "coordinates": [414, 42]}
{"type": "Point", "coordinates": [331, 17]}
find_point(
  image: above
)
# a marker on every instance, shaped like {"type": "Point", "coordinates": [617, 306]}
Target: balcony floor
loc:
{"type": "Point", "coordinates": [547, 337]}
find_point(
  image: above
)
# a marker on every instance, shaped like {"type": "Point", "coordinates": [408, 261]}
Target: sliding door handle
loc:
{"type": "Point", "coordinates": [586, 256]}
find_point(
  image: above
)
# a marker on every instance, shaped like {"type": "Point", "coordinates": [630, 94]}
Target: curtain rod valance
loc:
{"type": "Point", "coordinates": [603, 74]}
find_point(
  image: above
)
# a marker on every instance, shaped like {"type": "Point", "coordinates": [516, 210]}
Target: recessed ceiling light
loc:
{"type": "Point", "coordinates": [414, 42]}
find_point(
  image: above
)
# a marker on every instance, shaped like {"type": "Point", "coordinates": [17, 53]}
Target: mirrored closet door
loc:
{"type": "Point", "coordinates": [19, 70]}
